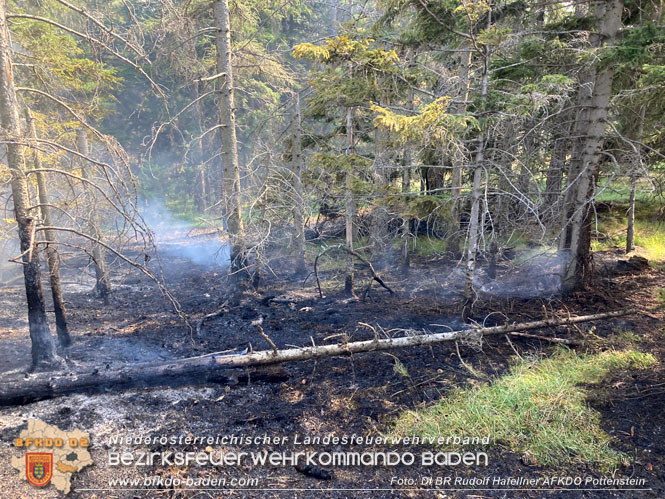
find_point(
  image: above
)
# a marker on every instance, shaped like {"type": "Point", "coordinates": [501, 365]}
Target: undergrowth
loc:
{"type": "Point", "coordinates": [538, 409]}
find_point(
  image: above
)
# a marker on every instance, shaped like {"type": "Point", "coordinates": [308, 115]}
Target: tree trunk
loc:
{"type": "Point", "coordinates": [231, 168]}
{"type": "Point", "coordinates": [574, 239]}
{"type": "Point", "coordinates": [472, 248]}
{"type": "Point", "coordinates": [201, 194]}
{"type": "Point", "coordinates": [407, 174]}
{"type": "Point", "coordinates": [380, 216]}
{"type": "Point", "coordinates": [43, 346]}
{"type": "Point", "coordinates": [103, 286]}
{"type": "Point", "coordinates": [458, 159]}
{"type": "Point", "coordinates": [559, 150]}
{"type": "Point", "coordinates": [634, 175]}
{"type": "Point", "coordinates": [408, 160]}
{"type": "Point", "coordinates": [221, 367]}
{"type": "Point", "coordinates": [51, 246]}
{"type": "Point", "coordinates": [349, 206]}
{"type": "Point", "coordinates": [630, 229]}
{"type": "Point", "coordinates": [299, 199]}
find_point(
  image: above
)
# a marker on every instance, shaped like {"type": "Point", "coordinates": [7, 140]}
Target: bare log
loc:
{"type": "Point", "coordinates": [231, 368]}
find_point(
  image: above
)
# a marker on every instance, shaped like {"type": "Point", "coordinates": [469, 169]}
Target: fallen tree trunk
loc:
{"type": "Point", "coordinates": [227, 368]}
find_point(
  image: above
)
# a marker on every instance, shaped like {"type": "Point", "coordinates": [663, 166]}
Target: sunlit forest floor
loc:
{"type": "Point", "coordinates": [365, 393]}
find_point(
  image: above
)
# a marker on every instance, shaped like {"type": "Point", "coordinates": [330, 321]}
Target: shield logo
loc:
{"type": "Point", "coordinates": [39, 468]}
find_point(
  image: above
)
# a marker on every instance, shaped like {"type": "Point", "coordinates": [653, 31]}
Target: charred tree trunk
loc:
{"type": "Point", "coordinates": [51, 246]}
{"type": "Point", "coordinates": [225, 368]}
{"type": "Point", "coordinates": [299, 199]}
{"type": "Point", "coordinates": [43, 347]}
{"type": "Point", "coordinates": [574, 239]}
{"type": "Point", "coordinates": [103, 286]}
{"type": "Point", "coordinates": [231, 167]}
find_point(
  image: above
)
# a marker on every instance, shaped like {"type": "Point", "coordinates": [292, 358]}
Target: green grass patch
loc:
{"type": "Point", "coordinates": [649, 232]}
{"type": "Point", "coordinates": [649, 238]}
{"type": "Point", "coordinates": [429, 246]}
{"type": "Point", "coordinates": [538, 409]}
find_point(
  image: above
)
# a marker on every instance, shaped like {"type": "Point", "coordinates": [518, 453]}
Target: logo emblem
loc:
{"type": "Point", "coordinates": [39, 468]}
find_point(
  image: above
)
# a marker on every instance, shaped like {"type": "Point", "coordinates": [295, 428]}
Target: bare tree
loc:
{"type": "Point", "coordinates": [231, 181]}
{"type": "Point", "coordinates": [349, 205]}
{"type": "Point", "coordinates": [52, 256]}
{"type": "Point", "coordinates": [103, 285]}
{"type": "Point", "coordinates": [299, 201]}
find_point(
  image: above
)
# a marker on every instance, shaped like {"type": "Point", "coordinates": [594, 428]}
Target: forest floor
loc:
{"type": "Point", "coordinates": [362, 395]}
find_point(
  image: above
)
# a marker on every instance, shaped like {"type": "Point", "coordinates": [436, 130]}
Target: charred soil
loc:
{"type": "Point", "coordinates": [360, 394]}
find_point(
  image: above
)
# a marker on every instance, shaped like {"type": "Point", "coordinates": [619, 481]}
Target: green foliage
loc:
{"type": "Point", "coordinates": [493, 36]}
{"type": "Point", "coordinates": [432, 125]}
{"type": "Point", "coordinates": [638, 45]}
{"type": "Point", "coordinates": [542, 93]}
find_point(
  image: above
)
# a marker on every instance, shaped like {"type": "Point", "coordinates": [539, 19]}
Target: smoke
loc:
{"type": "Point", "coordinates": [9, 248]}
{"type": "Point", "coordinates": [536, 274]}
{"type": "Point", "coordinates": [180, 239]}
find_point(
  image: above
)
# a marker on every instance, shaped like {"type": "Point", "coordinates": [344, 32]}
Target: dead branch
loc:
{"type": "Point", "coordinates": [219, 311]}
{"type": "Point", "coordinates": [137, 50]}
{"type": "Point", "coordinates": [93, 40]}
{"type": "Point", "coordinates": [375, 276]}
{"type": "Point", "coordinates": [267, 338]}
{"type": "Point", "coordinates": [224, 368]}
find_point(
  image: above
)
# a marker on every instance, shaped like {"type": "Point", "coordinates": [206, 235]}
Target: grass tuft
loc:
{"type": "Point", "coordinates": [538, 409]}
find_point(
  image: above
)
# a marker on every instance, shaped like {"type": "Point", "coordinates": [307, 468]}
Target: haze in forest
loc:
{"type": "Point", "coordinates": [495, 138]}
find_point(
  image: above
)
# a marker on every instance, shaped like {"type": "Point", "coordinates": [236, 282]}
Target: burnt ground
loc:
{"type": "Point", "coordinates": [359, 395]}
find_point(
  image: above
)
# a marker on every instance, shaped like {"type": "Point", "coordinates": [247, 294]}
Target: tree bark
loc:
{"type": "Point", "coordinates": [472, 248]}
{"type": "Point", "coordinates": [575, 240]}
{"type": "Point", "coordinates": [221, 367]}
{"type": "Point", "coordinates": [231, 167]}
{"type": "Point", "coordinates": [349, 207]}
{"type": "Point", "coordinates": [299, 201]}
{"type": "Point", "coordinates": [634, 175]}
{"type": "Point", "coordinates": [559, 150]}
{"type": "Point", "coordinates": [103, 286]}
{"type": "Point", "coordinates": [458, 159]}
{"type": "Point", "coordinates": [43, 346]}
{"type": "Point", "coordinates": [201, 194]}
{"type": "Point", "coordinates": [51, 246]}
{"type": "Point", "coordinates": [630, 229]}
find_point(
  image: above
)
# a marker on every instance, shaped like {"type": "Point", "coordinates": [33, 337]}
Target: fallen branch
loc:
{"type": "Point", "coordinates": [216, 368]}
{"type": "Point", "coordinates": [375, 276]}
{"type": "Point", "coordinates": [219, 311]}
